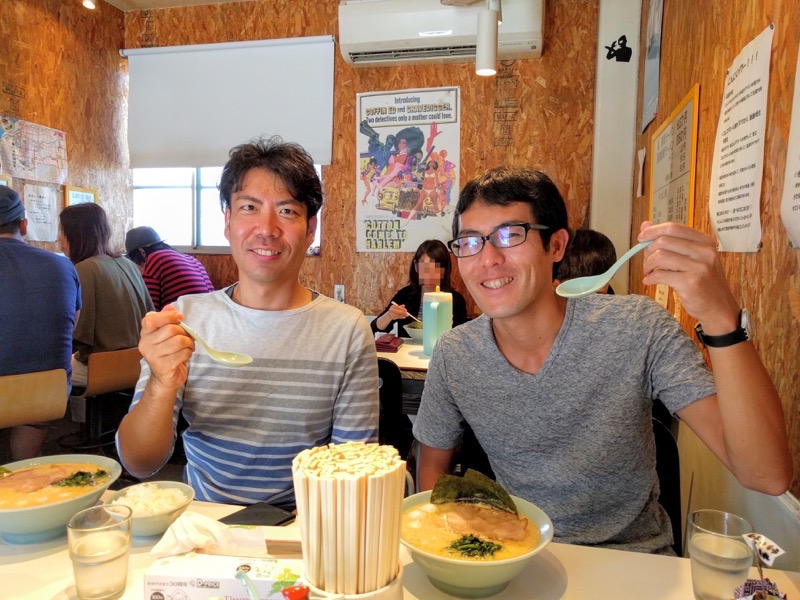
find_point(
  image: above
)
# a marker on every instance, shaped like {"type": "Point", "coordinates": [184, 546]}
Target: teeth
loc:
{"type": "Point", "coordinates": [494, 284]}
{"type": "Point", "coordinates": [261, 252]}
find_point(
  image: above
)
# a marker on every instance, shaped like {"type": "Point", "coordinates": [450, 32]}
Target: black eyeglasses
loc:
{"type": "Point", "coordinates": [505, 236]}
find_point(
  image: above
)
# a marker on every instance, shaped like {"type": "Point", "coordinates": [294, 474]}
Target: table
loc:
{"type": "Point", "coordinates": [44, 572]}
{"type": "Point", "coordinates": [409, 356]}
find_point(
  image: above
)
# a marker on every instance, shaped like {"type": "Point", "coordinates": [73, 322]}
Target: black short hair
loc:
{"type": "Point", "coordinates": [503, 186]}
{"type": "Point", "coordinates": [286, 160]}
{"type": "Point", "coordinates": [589, 252]}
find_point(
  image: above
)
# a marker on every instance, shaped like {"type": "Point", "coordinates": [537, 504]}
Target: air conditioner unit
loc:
{"type": "Point", "coordinates": [394, 32]}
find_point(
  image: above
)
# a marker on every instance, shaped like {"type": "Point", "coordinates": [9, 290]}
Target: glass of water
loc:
{"type": "Point", "coordinates": [99, 543]}
{"type": "Point", "coordinates": [720, 558]}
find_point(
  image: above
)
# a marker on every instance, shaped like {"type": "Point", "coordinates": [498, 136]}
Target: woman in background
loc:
{"type": "Point", "coordinates": [430, 267]}
{"type": "Point", "coordinates": [114, 296]}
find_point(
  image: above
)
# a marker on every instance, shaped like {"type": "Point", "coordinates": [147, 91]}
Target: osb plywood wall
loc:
{"type": "Point", "coordinates": [551, 130]}
{"type": "Point", "coordinates": [699, 41]}
{"type": "Point", "coordinates": [60, 67]}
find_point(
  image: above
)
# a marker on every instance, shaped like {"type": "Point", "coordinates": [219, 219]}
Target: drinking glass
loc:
{"type": "Point", "coordinates": [99, 543]}
{"type": "Point", "coordinates": [720, 558]}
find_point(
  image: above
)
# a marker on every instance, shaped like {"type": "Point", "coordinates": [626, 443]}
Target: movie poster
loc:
{"type": "Point", "coordinates": [408, 145]}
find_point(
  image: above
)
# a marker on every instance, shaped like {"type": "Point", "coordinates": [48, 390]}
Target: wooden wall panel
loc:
{"type": "Point", "coordinates": [60, 67]}
{"type": "Point", "coordinates": [699, 41]}
{"type": "Point", "coordinates": [552, 130]}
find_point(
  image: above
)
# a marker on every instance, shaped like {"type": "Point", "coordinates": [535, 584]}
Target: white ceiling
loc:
{"type": "Point", "coordinates": [128, 5]}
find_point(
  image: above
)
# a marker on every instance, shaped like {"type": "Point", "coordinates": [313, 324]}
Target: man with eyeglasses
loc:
{"type": "Point", "coordinates": [559, 392]}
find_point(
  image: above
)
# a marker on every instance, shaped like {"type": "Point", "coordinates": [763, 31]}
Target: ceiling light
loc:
{"type": "Point", "coordinates": [90, 4]}
{"type": "Point", "coordinates": [486, 47]}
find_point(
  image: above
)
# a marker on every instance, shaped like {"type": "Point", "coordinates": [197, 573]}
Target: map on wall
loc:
{"type": "Point", "coordinates": [31, 151]}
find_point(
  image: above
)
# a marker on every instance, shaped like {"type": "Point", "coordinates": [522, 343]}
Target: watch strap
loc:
{"type": "Point", "coordinates": [722, 341]}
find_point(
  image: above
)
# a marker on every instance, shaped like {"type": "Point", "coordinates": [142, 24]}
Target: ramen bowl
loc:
{"type": "Point", "coordinates": [478, 579]}
{"type": "Point", "coordinates": [415, 333]}
{"type": "Point", "coordinates": [31, 524]}
{"type": "Point", "coordinates": [145, 522]}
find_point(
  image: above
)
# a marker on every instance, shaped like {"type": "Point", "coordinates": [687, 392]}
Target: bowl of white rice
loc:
{"type": "Point", "coordinates": [155, 505]}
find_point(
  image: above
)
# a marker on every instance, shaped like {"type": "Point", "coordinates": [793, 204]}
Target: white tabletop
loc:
{"type": "Point", "coordinates": [409, 356]}
{"type": "Point", "coordinates": [43, 571]}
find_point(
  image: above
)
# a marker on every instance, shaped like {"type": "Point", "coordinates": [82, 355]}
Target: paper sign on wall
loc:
{"type": "Point", "coordinates": [790, 205]}
{"type": "Point", "coordinates": [40, 210]}
{"type": "Point", "coordinates": [736, 171]}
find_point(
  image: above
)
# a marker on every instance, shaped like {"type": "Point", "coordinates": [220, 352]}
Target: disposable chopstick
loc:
{"type": "Point", "coordinates": [341, 509]}
{"type": "Point", "coordinates": [285, 548]}
{"type": "Point", "coordinates": [313, 567]}
{"type": "Point", "coordinates": [374, 502]}
{"type": "Point", "coordinates": [329, 517]}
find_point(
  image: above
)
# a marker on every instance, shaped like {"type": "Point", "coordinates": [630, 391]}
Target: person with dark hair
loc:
{"type": "Point", "coordinates": [559, 392]}
{"type": "Point", "coordinates": [588, 253]}
{"type": "Point", "coordinates": [429, 268]}
{"type": "Point", "coordinates": [114, 296]}
{"type": "Point", "coordinates": [314, 375]}
{"type": "Point", "coordinates": [40, 299]}
{"type": "Point", "coordinates": [168, 274]}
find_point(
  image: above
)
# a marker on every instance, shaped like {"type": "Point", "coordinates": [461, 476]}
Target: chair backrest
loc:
{"type": "Point", "coordinates": [112, 371]}
{"type": "Point", "coordinates": [668, 468]}
{"type": "Point", "coordinates": [32, 397]}
{"type": "Point", "coordinates": [394, 428]}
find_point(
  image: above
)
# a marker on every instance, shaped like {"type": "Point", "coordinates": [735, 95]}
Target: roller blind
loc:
{"type": "Point", "coordinates": [189, 105]}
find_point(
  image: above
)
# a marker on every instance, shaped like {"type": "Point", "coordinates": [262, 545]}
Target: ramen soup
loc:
{"type": "Point", "coordinates": [46, 484]}
{"type": "Point", "coordinates": [468, 531]}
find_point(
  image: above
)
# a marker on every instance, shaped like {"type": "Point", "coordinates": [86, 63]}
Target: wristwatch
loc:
{"type": "Point", "coordinates": [742, 333]}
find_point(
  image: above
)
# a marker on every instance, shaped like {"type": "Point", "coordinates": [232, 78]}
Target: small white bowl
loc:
{"type": "Point", "coordinates": [414, 334]}
{"type": "Point", "coordinates": [149, 525]}
{"type": "Point", "coordinates": [473, 579]}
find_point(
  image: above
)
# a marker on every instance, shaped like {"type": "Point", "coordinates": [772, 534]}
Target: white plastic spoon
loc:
{"type": "Point", "coordinates": [232, 359]}
{"type": "Point", "coordinates": [584, 286]}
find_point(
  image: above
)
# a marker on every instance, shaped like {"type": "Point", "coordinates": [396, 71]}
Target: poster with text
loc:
{"type": "Point", "coordinates": [790, 203]}
{"type": "Point", "coordinates": [408, 147]}
{"type": "Point", "coordinates": [738, 161]}
{"type": "Point", "coordinates": [41, 211]}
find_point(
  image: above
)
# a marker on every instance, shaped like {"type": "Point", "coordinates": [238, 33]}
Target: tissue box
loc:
{"type": "Point", "coordinates": [193, 576]}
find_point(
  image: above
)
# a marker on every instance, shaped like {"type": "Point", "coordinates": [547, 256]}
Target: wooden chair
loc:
{"type": "Point", "coordinates": [110, 381]}
{"type": "Point", "coordinates": [32, 397]}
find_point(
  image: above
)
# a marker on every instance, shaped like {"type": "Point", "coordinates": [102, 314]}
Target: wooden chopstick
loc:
{"type": "Point", "coordinates": [284, 548]}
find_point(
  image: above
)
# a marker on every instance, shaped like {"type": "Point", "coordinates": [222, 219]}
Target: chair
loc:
{"type": "Point", "coordinates": [394, 428]}
{"type": "Point", "coordinates": [111, 378]}
{"type": "Point", "coordinates": [669, 479]}
{"type": "Point", "coordinates": [471, 455]}
{"type": "Point", "coordinates": [32, 397]}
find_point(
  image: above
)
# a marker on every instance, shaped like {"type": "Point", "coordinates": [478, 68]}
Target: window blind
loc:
{"type": "Point", "coordinates": [189, 105]}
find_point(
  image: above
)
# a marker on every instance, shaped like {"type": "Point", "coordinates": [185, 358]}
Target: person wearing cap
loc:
{"type": "Point", "coordinates": [167, 273]}
{"type": "Point", "coordinates": [40, 299]}
{"type": "Point", "coordinates": [115, 298]}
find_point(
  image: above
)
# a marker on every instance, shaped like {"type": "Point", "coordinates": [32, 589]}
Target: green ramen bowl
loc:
{"type": "Point", "coordinates": [475, 579]}
{"type": "Point", "coordinates": [47, 521]}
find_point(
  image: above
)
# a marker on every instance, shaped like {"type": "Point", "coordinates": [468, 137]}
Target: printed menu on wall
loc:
{"type": "Point", "coordinates": [738, 163]}
{"type": "Point", "coordinates": [40, 210]}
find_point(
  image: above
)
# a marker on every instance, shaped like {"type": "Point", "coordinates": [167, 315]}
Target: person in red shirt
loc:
{"type": "Point", "coordinates": [168, 273]}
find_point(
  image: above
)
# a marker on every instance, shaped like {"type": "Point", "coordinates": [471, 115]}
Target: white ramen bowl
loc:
{"type": "Point", "coordinates": [414, 333]}
{"type": "Point", "coordinates": [475, 579]}
{"type": "Point", "coordinates": [155, 524]}
{"type": "Point", "coordinates": [48, 521]}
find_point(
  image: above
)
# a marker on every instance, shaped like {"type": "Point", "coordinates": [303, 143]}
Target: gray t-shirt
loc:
{"type": "Point", "coordinates": [575, 438]}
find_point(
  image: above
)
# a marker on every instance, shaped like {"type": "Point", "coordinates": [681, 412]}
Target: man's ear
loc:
{"type": "Point", "coordinates": [558, 244]}
{"type": "Point", "coordinates": [23, 227]}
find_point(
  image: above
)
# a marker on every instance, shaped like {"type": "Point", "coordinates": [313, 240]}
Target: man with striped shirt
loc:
{"type": "Point", "coordinates": [168, 274]}
{"type": "Point", "coordinates": [313, 379]}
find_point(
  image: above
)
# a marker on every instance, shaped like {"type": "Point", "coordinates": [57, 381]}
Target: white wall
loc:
{"type": "Point", "coordinates": [707, 483]}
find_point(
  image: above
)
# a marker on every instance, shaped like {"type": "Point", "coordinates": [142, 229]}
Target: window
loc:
{"type": "Point", "coordinates": [182, 205]}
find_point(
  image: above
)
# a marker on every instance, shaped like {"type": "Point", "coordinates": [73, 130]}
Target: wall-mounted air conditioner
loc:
{"type": "Point", "coordinates": [393, 32]}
